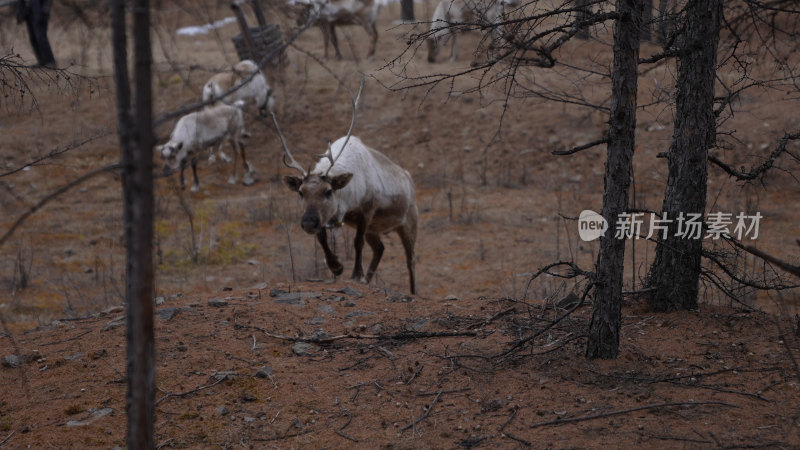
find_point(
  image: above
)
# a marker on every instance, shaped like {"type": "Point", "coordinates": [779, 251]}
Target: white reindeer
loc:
{"type": "Point", "coordinates": [332, 13]}
{"type": "Point", "coordinates": [454, 12]}
{"type": "Point", "coordinates": [255, 88]}
{"type": "Point", "coordinates": [361, 187]}
{"type": "Point", "coordinates": [202, 129]}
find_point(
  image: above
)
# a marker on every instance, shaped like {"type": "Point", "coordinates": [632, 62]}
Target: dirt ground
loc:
{"type": "Point", "coordinates": [241, 289]}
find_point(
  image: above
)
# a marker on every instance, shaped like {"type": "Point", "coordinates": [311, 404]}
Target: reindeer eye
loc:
{"type": "Point", "coordinates": [329, 193]}
{"type": "Point", "coordinates": [301, 193]}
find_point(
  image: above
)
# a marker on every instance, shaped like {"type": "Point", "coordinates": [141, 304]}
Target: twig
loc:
{"type": "Point", "coordinates": [586, 146]}
{"type": "Point", "coordinates": [510, 419]}
{"type": "Point", "coordinates": [56, 152]}
{"type": "Point", "coordinates": [53, 195]}
{"type": "Point", "coordinates": [424, 415]}
{"type": "Point", "coordinates": [66, 340]}
{"type": "Point", "coordinates": [794, 270]}
{"type": "Point", "coordinates": [285, 436]}
{"type": "Point", "coordinates": [416, 372]}
{"type": "Point", "coordinates": [452, 391]}
{"type": "Point", "coordinates": [719, 389]}
{"type": "Point", "coordinates": [520, 440]}
{"type": "Point", "coordinates": [7, 438]}
{"type": "Point", "coordinates": [677, 438]}
{"type": "Point", "coordinates": [499, 314]}
{"type": "Point", "coordinates": [403, 335]}
{"type": "Point", "coordinates": [184, 394]}
{"type": "Point", "coordinates": [350, 438]}
{"type": "Point", "coordinates": [626, 411]}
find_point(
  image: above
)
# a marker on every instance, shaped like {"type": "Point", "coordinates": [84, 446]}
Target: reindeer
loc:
{"type": "Point", "coordinates": [332, 13]}
{"type": "Point", "coordinates": [358, 186]}
{"type": "Point", "coordinates": [451, 13]}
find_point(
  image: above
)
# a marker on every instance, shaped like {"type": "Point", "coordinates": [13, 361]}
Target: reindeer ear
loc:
{"type": "Point", "coordinates": [341, 180]}
{"type": "Point", "coordinates": [293, 182]}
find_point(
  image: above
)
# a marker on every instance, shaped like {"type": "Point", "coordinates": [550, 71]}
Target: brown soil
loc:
{"type": "Point", "coordinates": [386, 369]}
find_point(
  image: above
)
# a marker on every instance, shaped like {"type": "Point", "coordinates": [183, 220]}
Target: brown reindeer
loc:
{"type": "Point", "coordinates": [358, 186]}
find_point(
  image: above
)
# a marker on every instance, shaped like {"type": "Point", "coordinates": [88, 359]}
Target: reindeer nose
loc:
{"type": "Point", "coordinates": [310, 223]}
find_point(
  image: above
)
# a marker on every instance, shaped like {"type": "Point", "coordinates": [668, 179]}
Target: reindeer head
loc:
{"type": "Point", "coordinates": [320, 202]}
{"type": "Point", "coordinates": [318, 189]}
{"type": "Point", "coordinates": [173, 155]}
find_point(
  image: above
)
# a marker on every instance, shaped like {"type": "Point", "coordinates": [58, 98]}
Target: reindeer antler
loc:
{"type": "Point", "coordinates": [286, 153]}
{"type": "Point", "coordinates": [329, 153]}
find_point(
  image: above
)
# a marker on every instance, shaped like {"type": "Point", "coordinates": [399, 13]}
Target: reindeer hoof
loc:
{"type": "Point", "coordinates": [337, 269]}
{"type": "Point", "coordinates": [232, 180]}
{"type": "Point", "coordinates": [212, 159]}
{"type": "Point", "coordinates": [248, 180]}
{"type": "Point", "coordinates": [225, 158]}
{"type": "Point", "coordinates": [195, 188]}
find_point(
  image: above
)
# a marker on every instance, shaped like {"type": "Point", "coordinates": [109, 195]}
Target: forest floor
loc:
{"type": "Point", "coordinates": [257, 345]}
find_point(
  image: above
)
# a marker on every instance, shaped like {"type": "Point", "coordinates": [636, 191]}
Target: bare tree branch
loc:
{"type": "Point", "coordinates": [55, 194]}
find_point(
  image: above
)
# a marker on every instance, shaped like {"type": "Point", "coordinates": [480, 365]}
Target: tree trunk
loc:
{"type": "Point", "coordinates": [675, 273]}
{"type": "Point", "coordinates": [136, 141]}
{"type": "Point", "coordinates": [584, 11]}
{"type": "Point", "coordinates": [605, 325]}
{"type": "Point", "coordinates": [407, 10]}
{"type": "Point", "coordinates": [646, 32]}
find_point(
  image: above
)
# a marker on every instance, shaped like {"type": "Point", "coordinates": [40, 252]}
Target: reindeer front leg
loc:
{"type": "Point", "coordinates": [361, 228]}
{"type": "Point", "coordinates": [196, 185]}
{"type": "Point", "coordinates": [330, 259]}
{"type": "Point", "coordinates": [334, 42]}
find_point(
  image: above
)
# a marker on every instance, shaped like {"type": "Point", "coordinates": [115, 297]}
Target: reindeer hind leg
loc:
{"type": "Point", "coordinates": [374, 241]}
{"type": "Point", "coordinates": [408, 236]}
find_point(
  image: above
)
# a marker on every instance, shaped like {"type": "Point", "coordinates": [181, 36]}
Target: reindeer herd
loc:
{"type": "Point", "coordinates": [352, 183]}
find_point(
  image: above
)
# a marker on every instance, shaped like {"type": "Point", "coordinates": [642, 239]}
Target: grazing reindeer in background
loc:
{"type": "Point", "coordinates": [199, 130]}
{"type": "Point", "coordinates": [458, 12]}
{"type": "Point", "coordinates": [361, 187]}
{"type": "Point", "coordinates": [332, 13]}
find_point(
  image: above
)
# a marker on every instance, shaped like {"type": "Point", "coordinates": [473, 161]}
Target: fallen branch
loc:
{"type": "Point", "coordinates": [184, 394]}
{"type": "Point", "coordinates": [518, 439]}
{"type": "Point", "coordinates": [66, 340]}
{"type": "Point", "coordinates": [6, 439]}
{"type": "Point", "coordinates": [626, 411]}
{"type": "Point", "coordinates": [452, 391]}
{"type": "Point", "coordinates": [424, 415]}
{"type": "Point", "coordinates": [400, 336]}
{"type": "Point", "coordinates": [285, 436]}
{"type": "Point", "coordinates": [349, 438]}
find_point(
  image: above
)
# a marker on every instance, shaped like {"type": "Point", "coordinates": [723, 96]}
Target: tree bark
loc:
{"type": "Point", "coordinates": [675, 273]}
{"type": "Point", "coordinates": [584, 11]}
{"type": "Point", "coordinates": [605, 325]}
{"type": "Point", "coordinates": [407, 10]}
{"type": "Point", "coordinates": [646, 32]}
{"type": "Point", "coordinates": [136, 141]}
